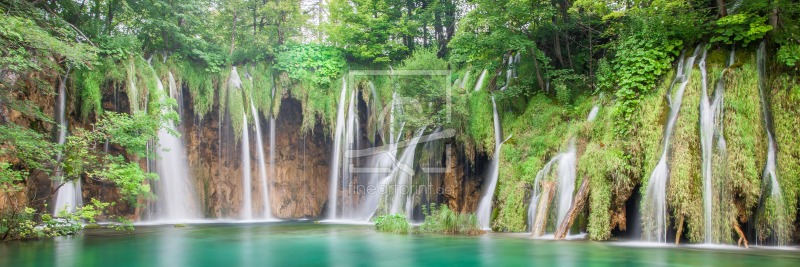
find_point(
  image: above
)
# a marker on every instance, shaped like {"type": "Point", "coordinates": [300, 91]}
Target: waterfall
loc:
{"type": "Point", "coordinates": [593, 114]}
{"type": "Point", "coordinates": [69, 195]}
{"type": "Point", "coordinates": [567, 162]}
{"type": "Point", "coordinates": [333, 190]}
{"type": "Point", "coordinates": [711, 126]}
{"type": "Point", "coordinates": [399, 180]}
{"type": "Point", "coordinates": [770, 170]}
{"type": "Point", "coordinates": [536, 194]}
{"type": "Point", "coordinates": [348, 184]}
{"type": "Point", "coordinates": [484, 211]}
{"type": "Point", "coordinates": [262, 167]}
{"type": "Point", "coordinates": [247, 198]}
{"type": "Point", "coordinates": [464, 80]}
{"type": "Point", "coordinates": [566, 180]}
{"type": "Point", "coordinates": [655, 204]}
{"type": "Point", "coordinates": [176, 198]}
{"type": "Point", "coordinates": [479, 83]}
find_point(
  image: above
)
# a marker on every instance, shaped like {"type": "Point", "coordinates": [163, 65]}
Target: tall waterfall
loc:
{"type": "Point", "coordinates": [69, 196]}
{"type": "Point", "coordinates": [711, 131]}
{"type": "Point", "coordinates": [262, 166]}
{"type": "Point", "coordinates": [247, 196]}
{"type": "Point", "coordinates": [655, 204]}
{"type": "Point", "coordinates": [333, 190]}
{"type": "Point", "coordinates": [484, 211]}
{"type": "Point", "coordinates": [174, 189]}
{"type": "Point", "coordinates": [770, 174]}
{"type": "Point", "coordinates": [348, 196]}
{"type": "Point", "coordinates": [235, 83]}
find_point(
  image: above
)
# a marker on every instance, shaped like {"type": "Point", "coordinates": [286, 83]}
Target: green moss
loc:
{"type": "Point", "coordinates": [786, 117]}
{"type": "Point", "coordinates": [685, 184]}
{"type": "Point", "coordinates": [744, 134]}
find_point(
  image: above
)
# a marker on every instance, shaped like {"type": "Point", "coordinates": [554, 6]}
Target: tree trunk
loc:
{"type": "Point", "coordinates": [540, 222]}
{"type": "Point", "coordinates": [773, 18]}
{"type": "Point", "coordinates": [574, 210]}
{"type": "Point", "coordinates": [557, 48]}
{"type": "Point", "coordinates": [537, 69]}
{"type": "Point", "coordinates": [680, 229]}
{"type": "Point", "coordinates": [742, 238]}
{"type": "Point", "coordinates": [721, 12]}
{"type": "Point", "coordinates": [233, 35]}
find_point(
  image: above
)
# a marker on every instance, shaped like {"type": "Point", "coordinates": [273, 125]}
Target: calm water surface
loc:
{"type": "Point", "coordinates": [308, 244]}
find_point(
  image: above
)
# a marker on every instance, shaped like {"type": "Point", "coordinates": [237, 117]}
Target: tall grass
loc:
{"type": "Point", "coordinates": [445, 221]}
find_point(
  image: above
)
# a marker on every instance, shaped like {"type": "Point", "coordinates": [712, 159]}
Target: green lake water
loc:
{"type": "Point", "coordinates": [308, 244]}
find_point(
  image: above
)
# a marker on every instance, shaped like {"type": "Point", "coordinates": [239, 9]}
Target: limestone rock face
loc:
{"type": "Point", "coordinates": [298, 188]}
{"type": "Point", "coordinates": [462, 186]}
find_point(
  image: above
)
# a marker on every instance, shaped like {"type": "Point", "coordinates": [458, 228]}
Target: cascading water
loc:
{"type": "Point", "coordinates": [593, 114]}
{"type": "Point", "coordinates": [711, 126]}
{"type": "Point", "coordinates": [69, 195]}
{"type": "Point", "coordinates": [536, 194]}
{"type": "Point", "coordinates": [348, 184]}
{"type": "Point", "coordinates": [176, 197]}
{"type": "Point", "coordinates": [397, 183]}
{"type": "Point", "coordinates": [770, 170]}
{"type": "Point", "coordinates": [262, 166]}
{"type": "Point", "coordinates": [655, 204]}
{"type": "Point", "coordinates": [567, 165]}
{"type": "Point", "coordinates": [479, 83]}
{"type": "Point", "coordinates": [484, 211]}
{"type": "Point", "coordinates": [566, 180]}
{"type": "Point", "coordinates": [235, 83]}
{"type": "Point", "coordinates": [333, 192]}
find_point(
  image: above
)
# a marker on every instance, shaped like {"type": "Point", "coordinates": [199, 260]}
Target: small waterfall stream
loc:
{"type": "Point", "coordinates": [566, 180]}
{"type": "Point", "coordinates": [566, 162]}
{"type": "Point", "coordinates": [479, 83]}
{"type": "Point", "coordinates": [69, 196]}
{"type": "Point", "coordinates": [655, 204]}
{"type": "Point", "coordinates": [484, 211]}
{"type": "Point", "coordinates": [770, 174]}
{"type": "Point", "coordinates": [711, 131]}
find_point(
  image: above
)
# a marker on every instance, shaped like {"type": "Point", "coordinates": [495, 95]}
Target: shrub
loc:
{"type": "Point", "coordinates": [394, 223]}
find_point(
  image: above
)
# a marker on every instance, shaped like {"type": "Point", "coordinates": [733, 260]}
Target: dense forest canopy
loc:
{"type": "Point", "coordinates": [569, 50]}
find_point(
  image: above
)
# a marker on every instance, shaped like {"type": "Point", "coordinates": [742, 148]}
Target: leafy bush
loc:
{"type": "Point", "coordinates": [23, 224]}
{"type": "Point", "coordinates": [445, 221]}
{"type": "Point", "coordinates": [320, 63]}
{"type": "Point", "coordinates": [394, 223]}
{"type": "Point", "coordinates": [740, 29]}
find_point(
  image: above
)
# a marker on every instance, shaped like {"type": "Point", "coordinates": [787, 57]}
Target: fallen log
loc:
{"type": "Point", "coordinates": [574, 210]}
{"type": "Point", "coordinates": [540, 221]}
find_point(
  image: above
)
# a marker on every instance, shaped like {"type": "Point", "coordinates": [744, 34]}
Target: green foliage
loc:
{"type": "Point", "coordinates": [740, 29]}
{"type": "Point", "coordinates": [445, 221]}
{"type": "Point", "coordinates": [394, 223]}
{"type": "Point", "coordinates": [200, 84]}
{"type": "Point", "coordinates": [647, 41]}
{"type": "Point", "coordinates": [31, 149]}
{"type": "Point", "coordinates": [321, 64]}
{"type": "Point", "coordinates": [425, 95]}
{"type": "Point", "coordinates": [28, 39]}
{"type": "Point", "coordinates": [24, 224]}
{"type": "Point", "coordinates": [789, 54]}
